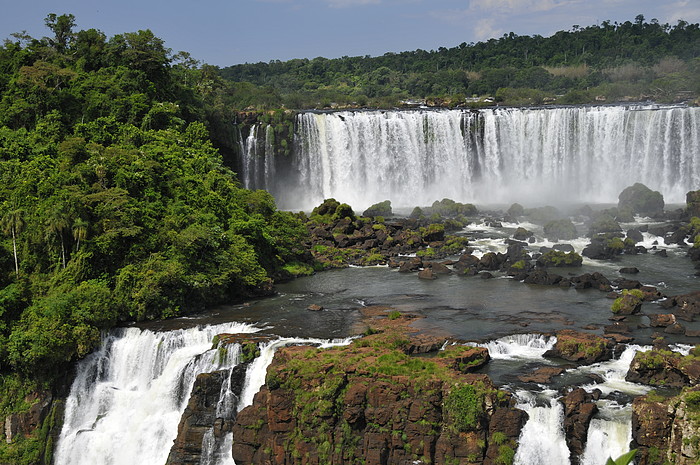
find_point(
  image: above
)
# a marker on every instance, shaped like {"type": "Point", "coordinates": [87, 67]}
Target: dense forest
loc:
{"type": "Point", "coordinates": [114, 204]}
{"type": "Point", "coordinates": [634, 60]}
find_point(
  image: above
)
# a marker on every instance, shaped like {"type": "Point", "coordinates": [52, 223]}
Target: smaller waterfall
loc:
{"type": "Point", "coordinates": [608, 436]}
{"type": "Point", "coordinates": [127, 399]}
{"type": "Point", "coordinates": [520, 346]}
{"type": "Point", "coordinates": [614, 371]}
{"type": "Point", "coordinates": [542, 439]}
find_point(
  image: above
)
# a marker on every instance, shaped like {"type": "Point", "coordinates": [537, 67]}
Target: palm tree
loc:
{"type": "Point", "coordinates": [58, 223]}
{"type": "Point", "coordinates": [80, 230]}
{"type": "Point", "coordinates": [13, 223]}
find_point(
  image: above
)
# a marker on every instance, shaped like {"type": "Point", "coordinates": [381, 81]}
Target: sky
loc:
{"type": "Point", "coordinates": [229, 32]}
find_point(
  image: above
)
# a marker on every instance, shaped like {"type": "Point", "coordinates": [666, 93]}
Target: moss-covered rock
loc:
{"type": "Point", "coordinates": [692, 203]}
{"type": "Point", "coordinates": [581, 347]}
{"type": "Point", "coordinates": [562, 229]}
{"type": "Point", "coordinates": [639, 199]}
{"type": "Point", "coordinates": [630, 302]}
{"type": "Point", "coordinates": [556, 258]}
{"type": "Point", "coordinates": [379, 209]}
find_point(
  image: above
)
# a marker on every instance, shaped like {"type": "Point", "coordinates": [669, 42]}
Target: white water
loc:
{"type": "Point", "coordinates": [127, 399]}
{"type": "Point", "coordinates": [491, 156]}
{"type": "Point", "coordinates": [608, 436]}
{"type": "Point", "coordinates": [542, 439]}
{"type": "Point", "coordinates": [520, 346]}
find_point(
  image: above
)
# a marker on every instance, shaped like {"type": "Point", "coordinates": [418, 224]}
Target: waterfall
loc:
{"type": "Point", "coordinates": [520, 346]}
{"type": "Point", "coordinates": [542, 439]}
{"type": "Point", "coordinates": [126, 401]}
{"type": "Point", "coordinates": [501, 155]}
{"type": "Point", "coordinates": [608, 436]}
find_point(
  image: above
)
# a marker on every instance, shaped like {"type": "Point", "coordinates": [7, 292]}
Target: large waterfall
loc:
{"type": "Point", "coordinates": [557, 155]}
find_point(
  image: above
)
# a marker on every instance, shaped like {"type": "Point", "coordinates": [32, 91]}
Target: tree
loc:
{"type": "Point", "coordinates": [58, 223]}
{"type": "Point", "coordinates": [80, 229]}
{"type": "Point", "coordinates": [62, 27]}
{"type": "Point", "coordinates": [13, 223]}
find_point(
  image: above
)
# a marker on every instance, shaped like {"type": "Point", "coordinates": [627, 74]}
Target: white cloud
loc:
{"type": "Point", "coordinates": [485, 29]}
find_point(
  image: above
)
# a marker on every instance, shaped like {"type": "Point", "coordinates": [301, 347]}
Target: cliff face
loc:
{"type": "Point", "coordinates": [667, 431]}
{"type": "Point", "coordinates": [370, 402]}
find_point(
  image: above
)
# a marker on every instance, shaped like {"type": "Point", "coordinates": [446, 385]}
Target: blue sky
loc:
{"type": "Point", "coordinates": [227, 32]}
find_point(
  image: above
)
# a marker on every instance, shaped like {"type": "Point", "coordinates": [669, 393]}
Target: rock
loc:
{"type": "Point", "coordinates": [629, 303]}
{"type": "Point", "coordinates": [516, 210]}
{"type": "Point", "coordinates": [413, 264]}
{"type": "Point", "coordinates": [662, 320]}
{"type": "Point", "coordinates": [314, 308]}
{"type": "Point", "coordinates": [199, 416]}
{"type": "Point", "coordinates": [627, 284]}
{"type": "Point", "coordinates": [651, 429]}
{"type": "Point", "coordinates": [692, 203]}
{"type": "Point", "coordinates": [427, 274]}
{"type": "Point", "coordinates": [579, 410]}
{"type": "Point", "coordinates": [675, 328]}
{"type": "Point", "coordinates": [466, 261]}
{"type": "Point", "coordinates": [685, 306]}
{"type": "Point", "coordinates": [562, 229]}
{"type": "Point", "coordinates": [543, 277]}
{"type": "Point", "coordinates": [485, 275]}
{"type": "Point", "coordinates": [556, 258]}
{"type": "Point", "coordinates": [563, 247]}
{"type": "Point", "coordinates": [490, 261]}
{"type": "Point", "coordinates": [629, 270]}
{"type": "Point", "coordinates": [439, 268]}
{"type": "Point", "coordinates": [659, 367]}
{"type": "Point", "coordinates": [603, 223]}
{"type": "Point", "coordinates": [576, 346]}
{"type": "Point", "coordinates": [379, 209]}
{"type": "Point", "coordinates": [639, 199]}
{"type": "Point", "coordinates": [522, 234]}
{"type": "Point", "coordinates": [542, 375]}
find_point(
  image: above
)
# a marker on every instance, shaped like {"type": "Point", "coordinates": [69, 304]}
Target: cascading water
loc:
{"type": "Point", "coordinates": [127, 399]}
{"type": "Point", "coordinates": [542, 440]}
{"type": "Point", "coordinates": [520, 346]}
{"type": "Point", "coordinates": [586, 154]}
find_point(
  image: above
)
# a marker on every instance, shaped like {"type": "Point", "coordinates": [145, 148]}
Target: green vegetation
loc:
{"type": "Point", "coordinates": [115, 204]}
{"type": "Point", "coordinates": [624, 459]}
{"type": "Point", "coordinates": [394, 315]}
{"type": "Point", "coordinates": [606, 62]}
{"type": "Point", "coordinates": [465, 405]}
{"type": "Point", "coordinates": [558, 258]}
{"type": "Point", "coordinates": [380, 209]}
{"type": "Point", "coordinates": [629, 299]}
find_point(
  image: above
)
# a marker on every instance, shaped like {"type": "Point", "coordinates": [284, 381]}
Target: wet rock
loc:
{"type": "Point", "coordinates": [627, 284]}
{"type": "Point", "coordinates": [579, 410]}
{"type": "Point", "coordinates": [661, 253]}
{"type": "Point", "coordinates": [675, 328]}
{"type": "Point", "coordinates": [629, 270]}
{"type": "Point", "coordinates": [639, 199]}
{"type": "Point", "coordinates": [439, 268]}
{"type": "Point", "coordinates": [576, 346]}
{"type": "Point", "coordinates": [562, 229]}
{"type": "Point", "coordinates": [427, 274]}
{"type": "Point", "coordinates": [542, 375]}
{"type": "Point", "coordinates": [564, 247]}
{"type": "Point", "coordinates": [692, 203]}
{"type": "Point", "coordinates": [199, 416]}
{"type": "Point", "coordinates": [522, 234]}
{"type": "Point", "coordinates": [603, 223]}
{"type": "Point", "coordinates": [660, 367]}
{"type": "Point", "coordinates": [315, 308]}
{"type": "Point", "coordinates": [490, 261]}
{"type": "Point", "coordinates": [685, 307]}
{"type": "Point", "coordinates": [543, 277]}
{"type": "Point", "coordinates": [635, 235]}
{"type": "Point", "coordinates": [412, 264]}
{"type": "Point", "coordinates": [629, 303]}
{"type": "Point", "coordinates": [662, 320]}
{"type": "Point", "coordinates": [466, 261]}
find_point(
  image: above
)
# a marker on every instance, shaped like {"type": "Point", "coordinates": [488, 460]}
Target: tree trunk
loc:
{"type": "Point", "coordinates": [14, 248]}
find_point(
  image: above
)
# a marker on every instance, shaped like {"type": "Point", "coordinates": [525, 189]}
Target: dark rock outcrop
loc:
{"type": "Point", "coordinates": [638, 198]}
{"type": "Point", "coordinates": [579, 409]}
{"type": "Point", "coordinates": [585, 348]}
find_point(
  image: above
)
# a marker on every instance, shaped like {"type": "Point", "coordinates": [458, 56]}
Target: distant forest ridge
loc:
{"type": "Point", "coordinates": [633, 60]}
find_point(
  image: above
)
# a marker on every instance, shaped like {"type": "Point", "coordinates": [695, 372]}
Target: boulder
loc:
{"type": "Point", "coordinates": [562, 229]}
{"type": "Point", "coordinates": [629, 270]}
{"type": "Point", "coordinates": [629, 303]}
{"type": "Point", "coordinates": [522, 234]}
{"type": "Point", "coordinates": [379, 209]}
{"type": "Point", "coordinates": [603, 223]}
{"type": "Point", "coordinates": [639, 199]}
{"type": "Point", "coordinates": [576, 346]}
{"type": "Point", "coordinates": [692, 203]}
{"type": "Point", "coordinates": [659, 367]}
{"type": "Point", "coordinates": [315, 308]}
{"type": "Point", "coordinates": [542, 375]}
{"type": "Point", "coordinates": [579, 410]}
{"type": "Point", "coordinates": [556, 258]}
{"type": "Point", "coordinates": [635, 235]}
{"type": "Point", "coordinates": [427, 274]}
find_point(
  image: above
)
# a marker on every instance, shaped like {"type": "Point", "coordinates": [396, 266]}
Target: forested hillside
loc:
{"type": "Point", "coordinates": [114, 204]}
{"type": "Point", "coordinates": [637, 60]}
